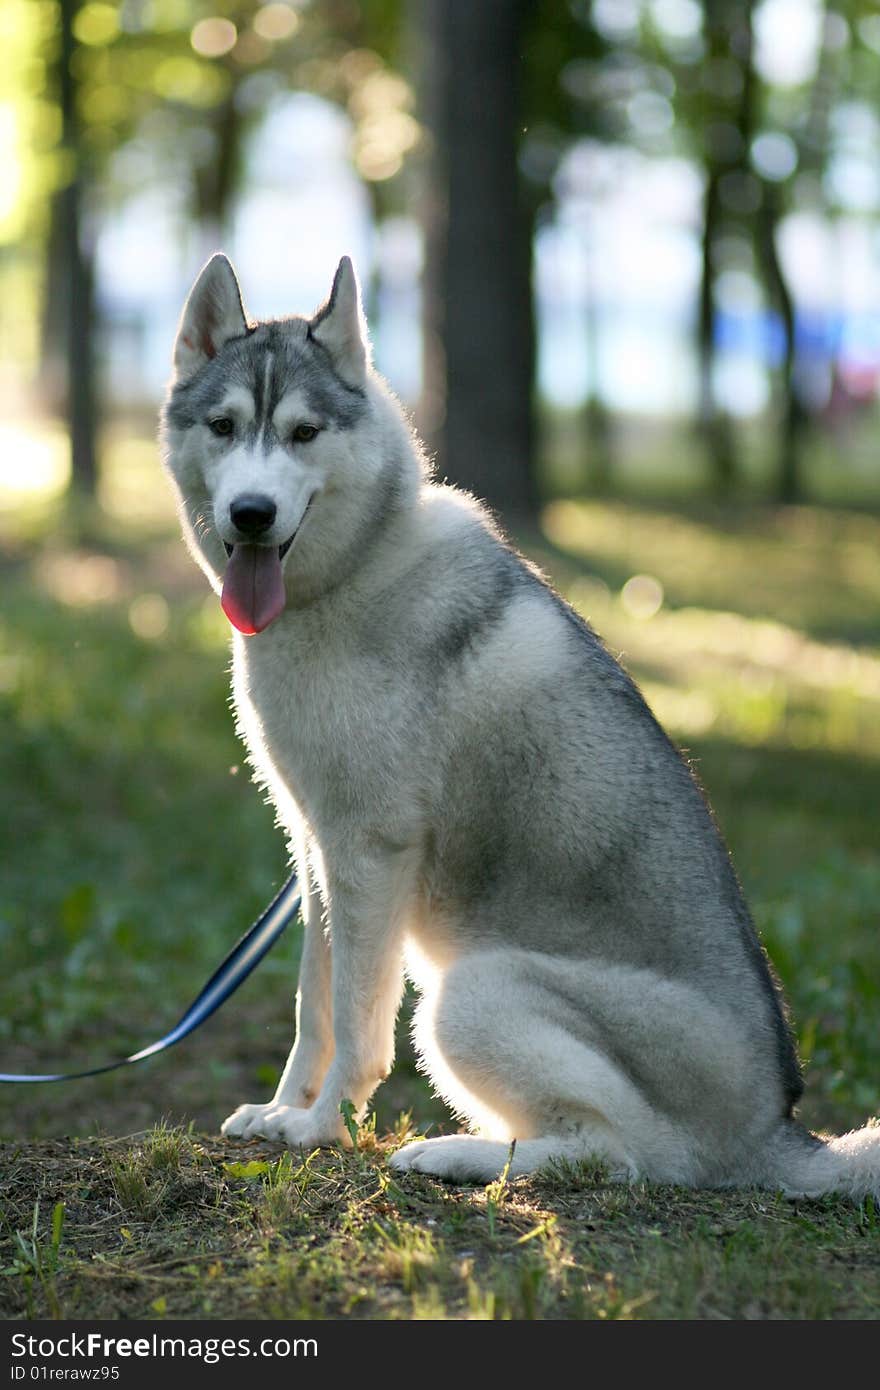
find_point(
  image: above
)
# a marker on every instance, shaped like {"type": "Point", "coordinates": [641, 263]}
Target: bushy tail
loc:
{"type": "Point", "coordinates": [803, 1165]}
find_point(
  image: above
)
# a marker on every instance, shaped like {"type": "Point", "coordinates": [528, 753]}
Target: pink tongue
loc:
{"type": "Point", "coordinates": [253, 587]}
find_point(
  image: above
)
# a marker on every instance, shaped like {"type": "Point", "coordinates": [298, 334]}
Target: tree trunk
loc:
{"type": "Point", "coordinates": [788, 479]}
{"type": "Point", "coordinates": [728, 30]}
{"type": "Point", "coordinates": [53, 319]}
{"type": "Point", "coordinates": [81, 402]}
{"type": "Point", "coordinates": [217, 181]}
{"type": "Point", "coordinates": [70, 309]}
{"type": "Point", "coordinates": [714, 423]}
{"type": "Point", "coordinates": [596, 417]}
{"type": "Point", "coordinates": [477, 410]}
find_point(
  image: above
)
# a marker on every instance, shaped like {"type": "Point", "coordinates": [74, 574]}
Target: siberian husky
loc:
{"type": "Point", "coordinates": [476, 796]}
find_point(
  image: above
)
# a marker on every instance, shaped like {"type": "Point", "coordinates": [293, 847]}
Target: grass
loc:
{"type": "Point", "coordinates": [135, 850]}
{"type": "Point", "coordinates": [171, 1223]}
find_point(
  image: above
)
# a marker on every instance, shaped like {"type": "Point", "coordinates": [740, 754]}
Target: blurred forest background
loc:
{"type": "Point", "coordinates": [627, 239]}
{"type": "Point", "coordinates": [621, 259]}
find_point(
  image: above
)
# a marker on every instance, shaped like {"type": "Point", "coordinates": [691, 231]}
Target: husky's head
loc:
{"type": "Point", "coordinates": [286, 451]}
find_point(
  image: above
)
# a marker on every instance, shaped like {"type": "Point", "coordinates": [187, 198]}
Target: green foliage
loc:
{"type": "Point", "coordinates": [254, 1168]}
{"type": "Point", "coordinates": [153, 82]}
{"type": "Point", "coordinates": [348, 1113]}
{"type": "Point", "coordinates": [155, 1175]}
{"type": "Point", "coordinates": [497, 1191]}
{"type": "Point", "coordinates": [36, 1261]}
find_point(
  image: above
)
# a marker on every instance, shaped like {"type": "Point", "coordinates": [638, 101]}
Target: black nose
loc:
{"type": "Point", "coordinates": [252, 513]}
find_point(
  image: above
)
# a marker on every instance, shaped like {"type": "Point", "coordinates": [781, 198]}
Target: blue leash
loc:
{"type": "Point", "coordinates": [242, 959]}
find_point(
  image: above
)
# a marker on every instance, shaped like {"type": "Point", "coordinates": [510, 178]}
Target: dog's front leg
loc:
{"type": "Point", "coordinates": [312, 1051]}
{"type": "Point", "coordinates": [367, 902]}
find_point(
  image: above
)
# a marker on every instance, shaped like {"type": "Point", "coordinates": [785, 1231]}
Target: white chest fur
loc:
{"type": "Point", "coordinates": [326, 723]}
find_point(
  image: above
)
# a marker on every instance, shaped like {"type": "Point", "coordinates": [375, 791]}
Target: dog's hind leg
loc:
{"type": "Point", "coordinates": [468, 1158]}
{"type": "Point", "coordinates": [521, 1046]}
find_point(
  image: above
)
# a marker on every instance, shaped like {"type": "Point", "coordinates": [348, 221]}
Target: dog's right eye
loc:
{"type": "Point", "coordinates": [222, 425]}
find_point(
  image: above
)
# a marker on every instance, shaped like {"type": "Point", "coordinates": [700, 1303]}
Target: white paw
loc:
{"type": "Point", "coordinates": [458, 1157]}
{"type": "Point", "coordinates": [299, 1129]}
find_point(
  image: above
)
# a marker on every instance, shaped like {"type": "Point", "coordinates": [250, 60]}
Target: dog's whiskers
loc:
{"type": "Point", "coordinates": [203, 521]}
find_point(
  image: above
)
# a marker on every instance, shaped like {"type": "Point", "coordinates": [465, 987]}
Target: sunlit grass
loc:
{"type": "Point", "coordinates": [757, 666]}
{"type": "Point", "coordinates": [744, 678]}
{"type": "Point", "coordinates": [814, 569]}
{"type": "Point", "coordinates": [171, 1223]}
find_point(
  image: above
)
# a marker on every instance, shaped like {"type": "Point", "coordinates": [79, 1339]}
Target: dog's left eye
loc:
{"type": "Point", "coordinates": [222, 425]}
{"type": "Point", "coordinates": [304, 433]}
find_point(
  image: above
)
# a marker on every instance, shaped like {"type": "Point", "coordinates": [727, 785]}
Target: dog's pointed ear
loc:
{"type": "Point", "coordinates": [212, 315]}
{"type": "Point", "coordinates": [339, 326]}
